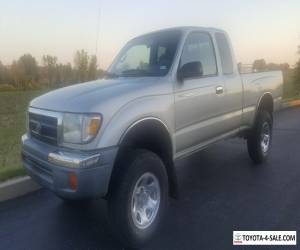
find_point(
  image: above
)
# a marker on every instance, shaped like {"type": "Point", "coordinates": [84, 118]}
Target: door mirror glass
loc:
{"type": "Point", "coordinates": [190, 70]}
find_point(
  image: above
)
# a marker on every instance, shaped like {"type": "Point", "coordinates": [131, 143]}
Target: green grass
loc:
{"type": "Point", "coordinates": [13, 107]}
{"type": "Point", "coordinates": [291, 98]}
{"type": "Point", "coordinates": [289, 90]}
{"type": "Point", "coordinates": [12, 172]}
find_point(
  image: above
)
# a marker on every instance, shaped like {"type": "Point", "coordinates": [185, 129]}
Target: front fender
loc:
{"type": "Point", "coordinates": [159, 107]}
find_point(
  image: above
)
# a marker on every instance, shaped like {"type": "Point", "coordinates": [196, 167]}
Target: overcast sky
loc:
{"type": "Point", "coordinates": [267, 29]}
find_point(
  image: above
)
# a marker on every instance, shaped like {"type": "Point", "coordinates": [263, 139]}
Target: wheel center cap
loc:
{"type": "Point", "coordinates": [145, 200]}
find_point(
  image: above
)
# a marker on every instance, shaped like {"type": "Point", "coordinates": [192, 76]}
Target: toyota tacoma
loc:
{"type": "Point", "coordinates": [166, 95]}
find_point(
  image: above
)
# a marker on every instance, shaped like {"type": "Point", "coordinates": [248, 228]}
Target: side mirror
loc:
{"type": "Point", "coordinates": [189, 70]}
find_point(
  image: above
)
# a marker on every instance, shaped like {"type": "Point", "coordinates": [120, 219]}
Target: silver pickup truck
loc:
{"type": "Point", "coordinates": [166, 95]}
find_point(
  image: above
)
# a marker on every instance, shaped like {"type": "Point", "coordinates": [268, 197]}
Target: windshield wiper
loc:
{"type": "Point", "coordinates": [135, 72]}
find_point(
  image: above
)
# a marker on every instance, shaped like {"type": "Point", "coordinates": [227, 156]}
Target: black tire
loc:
{"type": "Point", "coordinates": [257, 152]}
{"type": "Point", "coordinates": [134, 166]}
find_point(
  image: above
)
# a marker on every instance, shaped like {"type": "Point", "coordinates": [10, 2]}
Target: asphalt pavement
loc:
{"type": "Point", "coordinates": [220, 191]}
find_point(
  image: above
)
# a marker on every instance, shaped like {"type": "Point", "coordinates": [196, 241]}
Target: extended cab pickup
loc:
{"type": "Point", "coordinates": [167, 95]}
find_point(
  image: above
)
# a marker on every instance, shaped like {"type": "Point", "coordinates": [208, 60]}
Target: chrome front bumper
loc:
{"type": "Point", "coordinates": [73, 160]}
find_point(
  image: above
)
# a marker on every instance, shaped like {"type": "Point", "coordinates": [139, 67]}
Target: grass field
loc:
{"type": "Point", "coordinates": [289, 91]}
{"type": "Point", "coordinates": [12, 125]}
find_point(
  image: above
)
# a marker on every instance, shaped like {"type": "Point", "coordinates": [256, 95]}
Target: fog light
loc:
{"type": "Point", "coordinates": [73, 181]}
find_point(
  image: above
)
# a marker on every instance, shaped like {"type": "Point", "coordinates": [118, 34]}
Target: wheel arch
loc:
{"type": "Point", "coordinates": [266, 102]}
{"type": "Point", "coordinates": [152, 134]}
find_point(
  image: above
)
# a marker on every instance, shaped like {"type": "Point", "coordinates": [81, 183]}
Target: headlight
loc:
{"type": "Point", "coordinates": [80, 128]}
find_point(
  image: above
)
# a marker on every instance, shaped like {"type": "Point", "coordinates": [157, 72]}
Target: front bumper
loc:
{"type": "Point", "coordinates": [52, 167]}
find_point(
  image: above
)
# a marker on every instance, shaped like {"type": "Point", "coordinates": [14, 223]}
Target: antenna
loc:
{"type": "Point", "coordinates": [97, 33]}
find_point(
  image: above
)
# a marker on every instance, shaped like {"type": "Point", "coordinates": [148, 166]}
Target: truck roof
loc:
{"type": "Point", "coordinates": [185, 29]}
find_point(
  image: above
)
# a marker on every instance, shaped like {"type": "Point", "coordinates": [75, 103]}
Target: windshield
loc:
{"type": "Point", "coordinates": [149, 55]}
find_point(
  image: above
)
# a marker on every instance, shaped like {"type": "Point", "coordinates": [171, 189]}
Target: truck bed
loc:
{"type": "Point", "coordinates": [255, 85]}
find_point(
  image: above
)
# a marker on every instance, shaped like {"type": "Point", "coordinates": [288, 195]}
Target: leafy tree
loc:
{"type": "Point", "coordinates": [50, 67]}
{"type": "Point", "coordinates": [15, 74]}
{"type": "Point", "coordinates": [4, 74]}
{"type": "Point", "coordinates": [92, 70]}
{"type": "Point", "coordinates": [25, 72]}
{"type": "Point", "coordinates": [65, 74]}
{"type": "Point", "coordinates": [81, 62]}
{"type": "Point", "coordinates": [259, 65]}
{"type": "Point", "coordinates": [297, 74]}
{"type": "Point", "coordinates": [283, 66]}
{"type": "Point", "coordinates": [2, 70]}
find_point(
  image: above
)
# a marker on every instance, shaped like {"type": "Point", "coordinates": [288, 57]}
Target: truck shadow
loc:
{"type": "Point", "coordinates": [85, 224]}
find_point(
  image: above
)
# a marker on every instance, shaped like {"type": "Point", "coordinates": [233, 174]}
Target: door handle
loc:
{"type": "Point", "coordinates": [219, 90]}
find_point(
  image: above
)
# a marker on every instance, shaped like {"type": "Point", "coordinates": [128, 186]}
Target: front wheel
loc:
{"type": "Point", "coordinates": [139, 198]}
{"type": "Point", "coordinates": [260, 137]}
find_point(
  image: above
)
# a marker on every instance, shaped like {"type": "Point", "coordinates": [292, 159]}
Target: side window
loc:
{"type": "Point", "coordinates": [161, 51]}
{"type": "Point", "coordinates": [198, 47]}
{"type": "Point", "coordinates": [225, 53]}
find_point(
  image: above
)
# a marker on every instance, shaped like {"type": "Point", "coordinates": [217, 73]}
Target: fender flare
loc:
{"type": "Point", "coordinates": [168, 154]}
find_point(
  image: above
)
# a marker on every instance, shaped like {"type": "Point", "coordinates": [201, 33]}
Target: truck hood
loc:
{"type": "Point", "coordinates": [87, 97]}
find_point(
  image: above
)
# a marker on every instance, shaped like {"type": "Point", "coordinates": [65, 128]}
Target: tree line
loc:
{"type": "Point", "coordinates": [291, 76]}
{"type": "Point", "coordinates": [26, 73]}
{"type": "Point", "coordinates": [261, 65]}
{"type": "Point", "coordinates": [297, 73]}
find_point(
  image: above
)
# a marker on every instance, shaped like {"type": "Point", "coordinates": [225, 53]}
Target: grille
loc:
{"type": "Point", "coordinates": [43, 128]}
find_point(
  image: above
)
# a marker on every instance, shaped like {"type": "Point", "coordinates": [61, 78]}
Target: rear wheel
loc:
{"type": "Point", "coordinates": [138, 198]}
{"type": "Point", "coordinates": [260, 137]}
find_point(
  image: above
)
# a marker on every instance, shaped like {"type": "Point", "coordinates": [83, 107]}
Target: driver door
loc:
{"type": "Point", "coordinates": [198, 100]}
